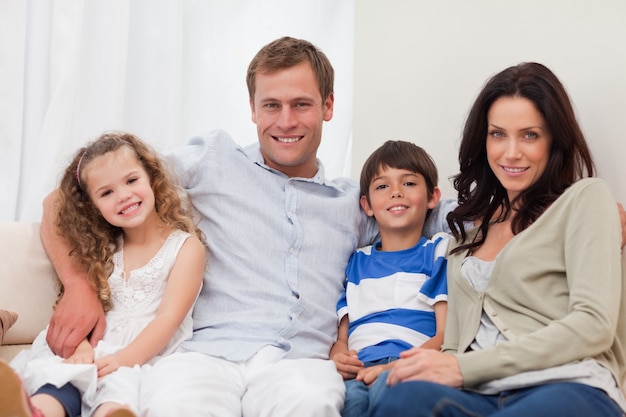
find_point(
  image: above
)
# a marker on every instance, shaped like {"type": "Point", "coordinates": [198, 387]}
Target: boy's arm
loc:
{"type": "Point", "coordinates": [182, 288]}
{"type": "Point", "coordinates": [441, 313]}
{"type": "Point", "coordinates": [347, 361]}
{"type": "Point", "coordinates": [79, 313]}
{"type": "Point", "coordinates": [369, 375]}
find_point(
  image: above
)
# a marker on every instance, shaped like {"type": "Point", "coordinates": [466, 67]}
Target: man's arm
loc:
{"type": "Point", "coordinates": [79, 313]}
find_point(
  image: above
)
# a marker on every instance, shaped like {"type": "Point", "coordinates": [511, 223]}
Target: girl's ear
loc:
{"type": "Point", "coordinates": [434, 198]}
{"type": "Point", "coordinates": [365, 205]}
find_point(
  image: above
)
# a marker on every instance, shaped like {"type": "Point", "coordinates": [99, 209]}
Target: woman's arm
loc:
{"type": "Point", "coordinates": [183, 284]}
{"type": "Point", "coordinates": [79, 313]}
{"type": "Point", "coordinates": [578, 306]}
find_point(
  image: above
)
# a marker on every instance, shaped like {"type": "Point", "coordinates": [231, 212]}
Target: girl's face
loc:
{"type": "Point", "coordinates": [518, 143]}
{"type": "Point", "coordinates": [119, 187]}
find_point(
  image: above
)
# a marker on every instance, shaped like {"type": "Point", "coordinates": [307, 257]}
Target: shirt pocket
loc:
{"type": "Point", "coordinates": [406, 289]}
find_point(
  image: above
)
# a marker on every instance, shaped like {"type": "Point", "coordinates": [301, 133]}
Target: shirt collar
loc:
{"type": "Point", "coordinates": [253, 152]}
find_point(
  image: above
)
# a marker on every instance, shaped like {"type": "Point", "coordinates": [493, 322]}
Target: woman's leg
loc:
{"type": "Point", "coordinates": [558, 399]}
{"type": "Point", "coordinates": [426, 399]}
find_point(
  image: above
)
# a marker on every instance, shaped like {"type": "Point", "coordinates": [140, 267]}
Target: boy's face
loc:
{"type": "Point", "coordinates": [399, 201]}
{"type": "Point", "coordinates": [289, 111]}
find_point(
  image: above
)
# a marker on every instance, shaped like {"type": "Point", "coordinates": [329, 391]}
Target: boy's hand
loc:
{"type": "Point", "coordinates": [347, 363]}
{"type": "Point", "coordinates": [370, 374]}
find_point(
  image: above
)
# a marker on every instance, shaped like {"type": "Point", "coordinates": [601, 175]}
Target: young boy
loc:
{"type": "Point", "coordinates": [396, 291]}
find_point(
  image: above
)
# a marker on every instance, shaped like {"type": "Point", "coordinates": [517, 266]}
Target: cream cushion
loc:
{"type": "Point", "coordinates": [28, 284]}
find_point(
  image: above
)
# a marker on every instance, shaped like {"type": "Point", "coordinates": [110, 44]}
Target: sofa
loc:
{"type": "Point", "coordinates": [28, 286]}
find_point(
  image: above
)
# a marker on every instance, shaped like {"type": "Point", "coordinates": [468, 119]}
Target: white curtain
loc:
{"type": "Point", "coordinates": [161, 69]}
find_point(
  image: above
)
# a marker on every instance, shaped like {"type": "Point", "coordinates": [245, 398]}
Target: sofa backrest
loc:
{"type": "Point", "coordinates": [28, 283]}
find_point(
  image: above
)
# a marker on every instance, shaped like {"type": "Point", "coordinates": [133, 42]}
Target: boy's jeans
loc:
{"type": "Point", "coordinates": [360, 398]}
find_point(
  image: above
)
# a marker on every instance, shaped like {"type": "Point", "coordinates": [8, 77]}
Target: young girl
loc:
{"type": "Point", "coordinates": [126, 222]}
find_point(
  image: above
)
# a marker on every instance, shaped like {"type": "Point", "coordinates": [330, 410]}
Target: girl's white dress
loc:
{"type": "Point", "coordinates": [135, 302]}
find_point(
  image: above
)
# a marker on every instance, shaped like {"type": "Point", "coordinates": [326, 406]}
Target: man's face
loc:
{"type": "Point", "coordinates": [289, 111]}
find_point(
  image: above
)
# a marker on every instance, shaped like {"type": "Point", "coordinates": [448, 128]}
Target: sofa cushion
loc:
{"type": "Point", "coordinates": [28, 284]}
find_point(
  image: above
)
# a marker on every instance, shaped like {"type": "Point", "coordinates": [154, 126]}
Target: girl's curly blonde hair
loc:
{"type": "Point", "coordinates": [91, 238]}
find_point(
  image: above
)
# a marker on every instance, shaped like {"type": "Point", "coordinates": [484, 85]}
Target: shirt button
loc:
{"type": "Point", "coordinates": [291, 250]}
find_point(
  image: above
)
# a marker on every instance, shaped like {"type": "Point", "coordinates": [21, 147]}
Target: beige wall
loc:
{"type": "Point", "coordinates": [419, 65]}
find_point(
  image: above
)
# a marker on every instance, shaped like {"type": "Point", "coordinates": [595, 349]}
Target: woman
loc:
{"type": "Point", "coordinates": [535, 323]}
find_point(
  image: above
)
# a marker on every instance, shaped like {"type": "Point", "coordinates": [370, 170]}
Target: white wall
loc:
{"type": "Point", "coordinates": [419, 65]}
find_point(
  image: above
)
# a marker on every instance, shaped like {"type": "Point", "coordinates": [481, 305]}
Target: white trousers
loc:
{"type": "Point", "coordinates": [266, 385]}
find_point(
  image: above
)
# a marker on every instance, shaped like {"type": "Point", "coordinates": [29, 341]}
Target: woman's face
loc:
{"type": "Point", "coordinates": [518, 143]}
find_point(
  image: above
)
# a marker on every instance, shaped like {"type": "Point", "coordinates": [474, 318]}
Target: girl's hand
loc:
{"type": "Point", "coordinates": [83, 354]}
{"type": "Point", "coordinates": [347, 363]}
{"type": "Point", "coordinates": [418, 364]}
{"type": "Point", "coordinates": [108, 364]}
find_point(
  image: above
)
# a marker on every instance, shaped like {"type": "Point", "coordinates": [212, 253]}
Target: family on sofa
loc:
{"type": "Point", "coordinates": [525, 309]}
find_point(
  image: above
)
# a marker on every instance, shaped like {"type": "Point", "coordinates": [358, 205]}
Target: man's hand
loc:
{"type": "Point", "coordinates": [78, 315]}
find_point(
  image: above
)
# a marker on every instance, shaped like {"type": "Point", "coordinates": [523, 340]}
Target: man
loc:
{"type": "Point", "coordinates": [279, 237]}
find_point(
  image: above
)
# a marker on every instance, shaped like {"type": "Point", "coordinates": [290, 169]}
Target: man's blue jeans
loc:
{"type": "Point", "coordinates": [360, 398]}
{"type": "Point", "coordinates": [426, 399]}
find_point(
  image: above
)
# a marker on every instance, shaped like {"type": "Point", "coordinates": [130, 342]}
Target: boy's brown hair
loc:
{"type": "Point", "coordinates": [400, 155]}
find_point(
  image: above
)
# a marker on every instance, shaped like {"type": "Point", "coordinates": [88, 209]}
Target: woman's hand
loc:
{"type": "Point", "coordinates": [419, 364]}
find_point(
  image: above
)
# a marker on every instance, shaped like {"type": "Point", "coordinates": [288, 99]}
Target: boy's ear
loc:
{"type": "Point", "coordinates": [365, 205]}
{"type": "Point", "coordinates": [434, 198]}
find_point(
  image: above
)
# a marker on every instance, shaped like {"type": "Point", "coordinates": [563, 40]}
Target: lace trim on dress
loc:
{"type": "Point", "coordinates": [144, 284]}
